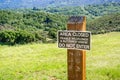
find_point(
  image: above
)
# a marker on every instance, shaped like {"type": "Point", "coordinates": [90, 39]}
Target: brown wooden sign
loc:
{"type": "Point", "coordinates": [76, 59]}
{"type": "Point", "coordinates": [74, 39]}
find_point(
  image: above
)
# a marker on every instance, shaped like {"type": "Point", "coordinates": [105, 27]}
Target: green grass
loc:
{"type": "Point", "coordinates": [47, 62]}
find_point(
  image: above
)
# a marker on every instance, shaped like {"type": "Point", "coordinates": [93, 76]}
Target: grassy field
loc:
{"type": "Point", "coordinates": [47, 62]}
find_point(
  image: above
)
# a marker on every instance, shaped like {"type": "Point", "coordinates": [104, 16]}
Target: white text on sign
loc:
{"type": "Point", "coordinates": [74, 40]}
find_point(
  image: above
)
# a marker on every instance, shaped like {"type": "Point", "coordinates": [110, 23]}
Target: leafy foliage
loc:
{"type": "Point", "coordinates": [24, 26]}
{"type": "Point", "coordinates": [91, 11]}
{"type": "Point", "coordinates": [107, 23]}
{"type": "Point", "coordinates": [12, 37]}
{"type": "Point", "coordinates": [30, 26]}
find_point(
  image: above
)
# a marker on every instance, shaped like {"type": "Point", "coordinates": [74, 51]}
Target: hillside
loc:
{"type": "Point", "coordinates": [107, 23]}
{"type": "Point", "coordinates": [8, 4]}
{"type": "Point", "coordinates": [30, 26]}
{"type": "Point", "coordinates": [91, 11]}
{"type": "Point", "coordinates": [47, 62]}
{"type": "Point", "coordinates": [37, 26]}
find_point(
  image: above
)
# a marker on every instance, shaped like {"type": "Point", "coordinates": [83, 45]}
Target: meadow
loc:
{"type": "Point", "coordinates": [48, 62]}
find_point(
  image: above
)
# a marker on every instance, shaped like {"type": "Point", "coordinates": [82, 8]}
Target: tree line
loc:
{"type": "Point", "coordinates": [31, 26]}
{"type": "Point", "coordinates": [18, 27]}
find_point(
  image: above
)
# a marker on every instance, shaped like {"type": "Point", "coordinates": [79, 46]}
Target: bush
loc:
{"type": "Point", "coordinates": [13, 37]}
{"type": "Point", "coordinates": [7, 37]}
{"type": "Point", "coordinates": [24, 37]}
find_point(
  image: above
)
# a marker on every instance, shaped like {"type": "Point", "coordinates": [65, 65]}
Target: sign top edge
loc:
{"type": "Point", "coordinates": [76, 19]}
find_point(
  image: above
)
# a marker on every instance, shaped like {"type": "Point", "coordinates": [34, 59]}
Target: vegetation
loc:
{"type": "Point", "coordinates": [91, 11]}
{"type": "Point", "coordinates": [41, 25]}
{"type": "Point", "coordinates": [38, 61]}
{"type": "Point", "coordinates": [47, 62]}
{"type": "Point", "coordinates": [104, 24]}
{"type": "Point", "coordinates": [100, 10]}
{"type": "Point", "coordinates": [12, 37]}
{"type": "Point", "coordinates": [32, 26]}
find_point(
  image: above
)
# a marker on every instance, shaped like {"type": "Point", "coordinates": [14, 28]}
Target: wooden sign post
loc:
{"type": "Point", "coordinates": [77, 40]}
{"type": "Point", "coordinates": [76, 59]}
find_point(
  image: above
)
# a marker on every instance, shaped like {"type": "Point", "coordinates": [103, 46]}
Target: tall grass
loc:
{"type": "Point", "coordinates": [47, 62]}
